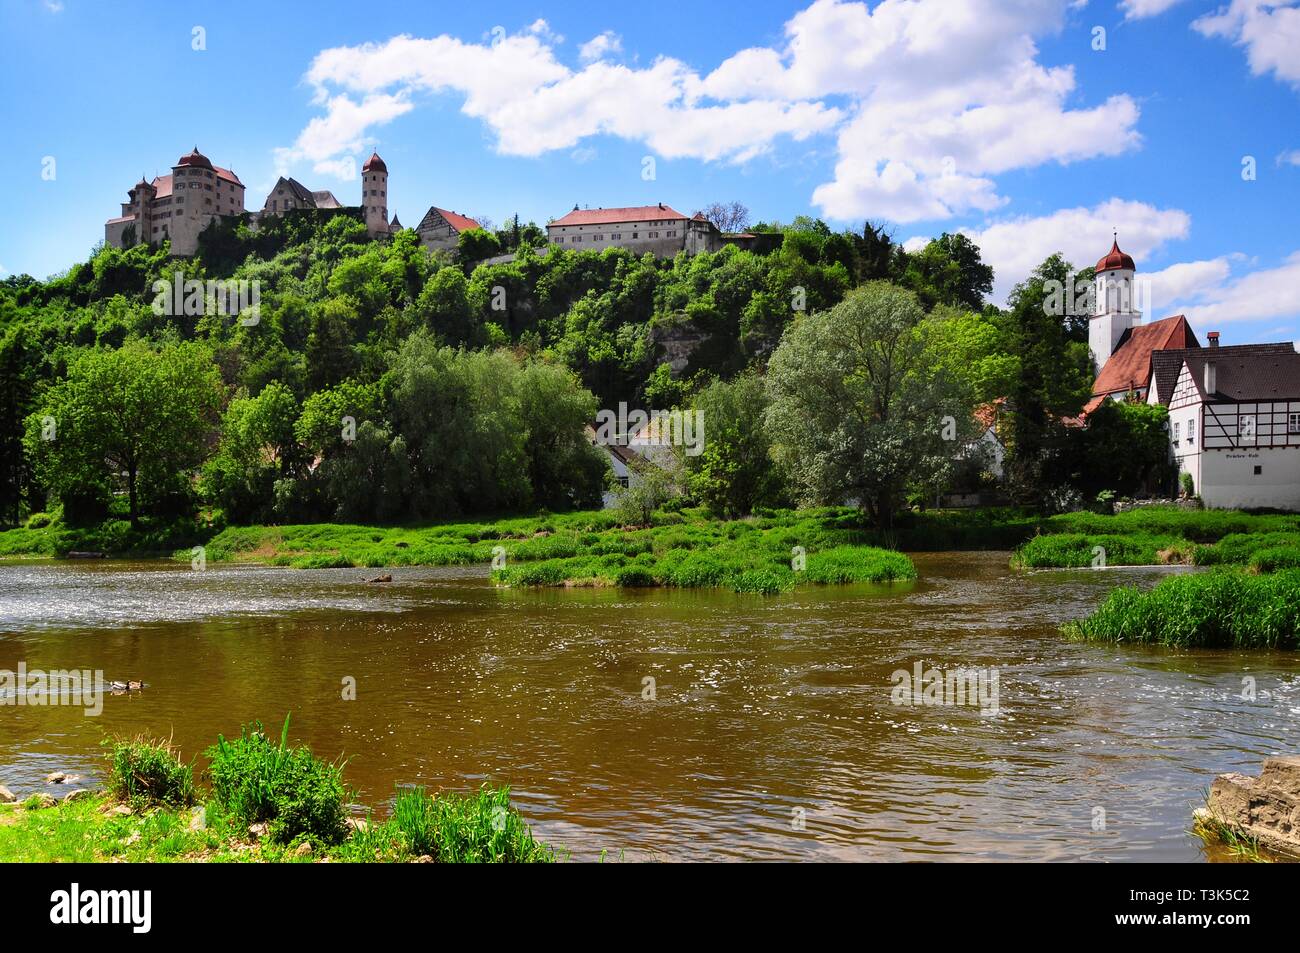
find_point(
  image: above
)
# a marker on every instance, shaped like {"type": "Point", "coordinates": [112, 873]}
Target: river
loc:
{"type": "Point", "coordinates": [772, 733]}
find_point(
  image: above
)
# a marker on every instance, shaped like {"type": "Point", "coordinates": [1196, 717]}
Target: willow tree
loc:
{"type": "Point", "coordinates": [859, 409]}
{"type": "Point", "coordinates": [135, 414]}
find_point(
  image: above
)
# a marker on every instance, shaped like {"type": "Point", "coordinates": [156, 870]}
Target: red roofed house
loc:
{"type": "Point", "coordinates": [658, 229]}
{"type": "Point", "coordinates": [177, 206]}
{"type": "Point", "coordinates": [440, 228]}
{"type": "Point", "coordinates": [1234, 412]}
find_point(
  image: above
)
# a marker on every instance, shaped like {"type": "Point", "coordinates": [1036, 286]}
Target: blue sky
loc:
{"type": "Point", "coordinates": [1000, 119]}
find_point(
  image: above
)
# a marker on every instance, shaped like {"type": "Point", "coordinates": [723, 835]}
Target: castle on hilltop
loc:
{"type": "Point", "coordinates": [179, 206]}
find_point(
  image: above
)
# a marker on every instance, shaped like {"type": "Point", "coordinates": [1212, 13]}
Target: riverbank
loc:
{"type": "Point", "coordinates": [1220, 609]}
{"type": "Point", "coordinates": [1164, 536]}
{"type": "Point", "coordinates": [268, 803]}
{"type": "Point", "coordinates": [769, 552]}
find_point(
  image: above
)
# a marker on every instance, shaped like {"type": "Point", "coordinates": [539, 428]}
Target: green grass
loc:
{"type": "Point", "coordinates": [1157, 535]}
{"type": "Point", "coordinates": [288, 788]}
{"type": "Point", "coordinates": [144, 772]}
{"type": "Point", "coordinates": [684, 549]}
{"type": "Point", "coordinates": [114, 537]}
{"type": "Point", "coordinates": [145, 816]}
{"type": "Point", "coordinates": [1215, 609]}
{"type": "Point", "coordinates": [457, 830]}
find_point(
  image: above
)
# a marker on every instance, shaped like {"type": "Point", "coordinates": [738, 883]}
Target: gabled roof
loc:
{"type": "Point", "coordinates": [297, 189]}
{"type": "Point", "coordinates": [609, 216]}
{"type": "Point", "coordinates": [324, 198]}
{"type": "Point", "coordinates": [1242, 372]}
{"type": "Point", "coordinates": [1129, 367]}
{"type": "Point", "coordinates": [458, 222]}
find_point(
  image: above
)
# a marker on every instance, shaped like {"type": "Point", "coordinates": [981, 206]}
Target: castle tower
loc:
{"type": "Point", "coordinates": [1115, 309]}
{"type": "Point", "coordinates": [374, 195]}
{"type": "Point", "coordinates": [141, 206]}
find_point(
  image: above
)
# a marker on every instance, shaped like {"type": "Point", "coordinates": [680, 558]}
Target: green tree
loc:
{"type": "Point", "coordinates": [858, 411]}
{"type": "Point", "coordinates": [734, 472]}
{"type": "Point", "coordinates": [1054, 379]}
{"type": "Point", "coordinates": [949, 270]}
{"type": "Point", "coordinates": [475, 244]}
{"type": "Point", "coordinates": [258, 446]}
{"type": "Point", "coordinates": [134, 412]}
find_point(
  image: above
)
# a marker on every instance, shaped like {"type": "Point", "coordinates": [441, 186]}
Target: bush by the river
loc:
{"type": "Point", "coordinates": [1215, 609]}
{"type": "Point", "coordinates": [451, 829]}
{"type": "Point", "coordinates": [286, 787]}
{"type": "Point", "coordinates": [146, 772]}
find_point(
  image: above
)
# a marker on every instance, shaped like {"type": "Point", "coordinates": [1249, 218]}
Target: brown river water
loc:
{"type": "Point", "coordinates": [772, 734]}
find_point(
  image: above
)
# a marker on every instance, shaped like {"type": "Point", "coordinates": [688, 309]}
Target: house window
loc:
{"type": "Point", "coordinates": [1258, 470]}
{"type": "Point", "coordinates": [1177, 430]}
{"type": "Point", "coordinates": [634, 234]}
{"type": "Point", "coordinates": [617, 235]}
{"type": "Point", "coordinates": [1293, 423]}
{"type": "Point", "coordinates": [1191, 431]}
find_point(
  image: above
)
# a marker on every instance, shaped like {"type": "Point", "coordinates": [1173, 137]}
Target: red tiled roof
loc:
{"type": "Point", "coordinates": [462, 223]}
{"type": "Point", "coordinates": [607, 216]}
{"type": "Point", "coordinates": [374, 163]}
{"type": "Point", "coordinates": [227, 175]}
{"type": "Point", "coordinates": [124, 218]}
{"type": "Point", "coordinates": [1129, 368]}
{"type": "Point", "coordinates": [1115, 259]}
{"type": "Point", "coordinates": [195, 158]}
{"type": "Point", "coordinates": [162, 185]}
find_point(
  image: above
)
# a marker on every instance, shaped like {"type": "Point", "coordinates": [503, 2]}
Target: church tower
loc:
{"type": "Point", "coordinates": [1114, 310]}
{"type": "Point", "coordinates": [374, 195]}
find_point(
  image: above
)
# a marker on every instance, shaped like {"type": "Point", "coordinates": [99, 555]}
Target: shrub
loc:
{"type": "Point", "coordinates": [296, 793]}
{"type": "Point", "coordinates": [1187, 484]}
{"type": "Point", "coordinates": [481, 828]}
{"type": "Point", "coordinates": [1216, 609]}
{"type": "Point", "coordinates": [1275, 558]}
{"type": "Point", "coordinates": [147, 772]}
{"type": "Point", "coordinates": [845, 564]}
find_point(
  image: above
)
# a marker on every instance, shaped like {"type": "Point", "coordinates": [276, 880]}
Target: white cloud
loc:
{"type": "Point", "coordinates": [534, 104]}
{"type": "Point", "coordinates": [1268, 29]}
{"type": "Point", "coordinates": [1141, 9]}
{"type": "Point", "coordinates": [1261, 295]}
{"type": "Point", "coordinates": [54, 6]}
{"type": "Point", "coordinates": [947, 94]}
{"type": "Point", "coordinates": [600, 46]}
{"type": "Point", "coordinates": [1016, 246]}
{"type": "Point", "coordinates": [1289, 158]}
{"type": "Point", "coordinates": [329, 140]}
{"type": "Point", "coordinates": [929, 99]}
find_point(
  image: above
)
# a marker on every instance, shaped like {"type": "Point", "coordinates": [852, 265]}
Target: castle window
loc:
{"type": "Point", "coordinates": [616, 236]}
{"type": "Point", "coordinates": [634, 234]}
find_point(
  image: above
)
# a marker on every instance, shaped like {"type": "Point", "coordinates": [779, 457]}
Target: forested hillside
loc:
{"type": "Point", "coordinates": [382, 383]}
